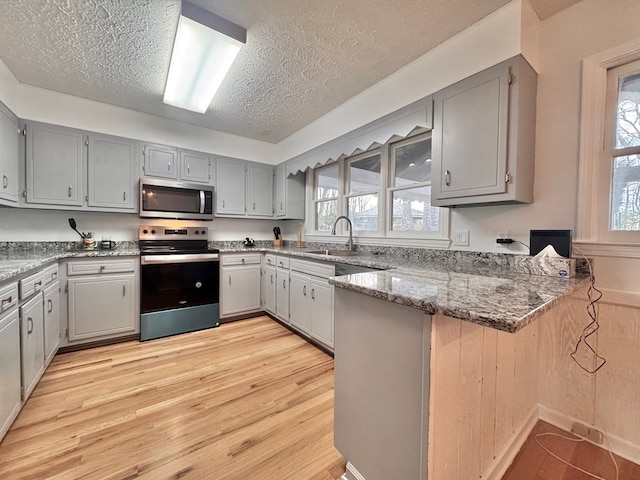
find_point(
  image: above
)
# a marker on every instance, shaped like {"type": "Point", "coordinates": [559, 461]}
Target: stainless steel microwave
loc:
{"type": "Point", "coordinates": [177, 200]}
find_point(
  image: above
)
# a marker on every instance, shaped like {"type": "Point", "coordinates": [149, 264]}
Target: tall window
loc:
{"type": "Point", "coordinates": [363, 190]}
{"type": "Point", "coordinates": [326, 193]}
{"type": "Point", "coordinates": [622, 147]}
{"type": "Point", "coordinates": [410, 189]}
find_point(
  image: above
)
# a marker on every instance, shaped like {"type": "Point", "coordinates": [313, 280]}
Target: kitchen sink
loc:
{"type": "Point", "coordinates": [336, 253]}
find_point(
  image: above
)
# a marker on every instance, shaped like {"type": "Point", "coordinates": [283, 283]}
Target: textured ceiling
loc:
{"type": "Point", "coordinates": [302, 58]}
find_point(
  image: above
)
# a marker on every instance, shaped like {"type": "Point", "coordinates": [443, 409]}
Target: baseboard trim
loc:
{"type": "Point", "coordinates": [618, 445]}
{"type": "Point", "coordinates": [352, 473]}
{"type": "Point", "coordinates": [502, 462]}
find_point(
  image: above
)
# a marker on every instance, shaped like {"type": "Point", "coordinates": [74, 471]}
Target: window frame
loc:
{"type": "Point", "coordinates": [444, 212]}
{"type": "Point", "coordinates": [383, 236]}
{"type": "Point", "coordinates": [379, 192]}
{"type": "Point", "coordinates": [593, 236]}
{"type": "Point", "coordinates": [314, 200]}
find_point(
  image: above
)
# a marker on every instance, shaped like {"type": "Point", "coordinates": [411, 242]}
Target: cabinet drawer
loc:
{"type": "Point", "coordinates": [8, 297]}
{"type": "Point", "coordinates": [270, 259]}
{"type": "Point", "coordinates": [312, 268]}
{"type": "Point", "coordinates": [30, 285]}
{"type": "Point", "coordinates": [243, 259]}
{"type": "Point", "coordinates": [50, 274]}
{"type": "Point", "coordinates": [282, 262]}
{"type": "Point", "coordinates": [100, 266]}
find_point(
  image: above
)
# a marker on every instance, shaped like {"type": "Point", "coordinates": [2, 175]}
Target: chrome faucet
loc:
{"type": "Point", "coordinates": [333, 230]}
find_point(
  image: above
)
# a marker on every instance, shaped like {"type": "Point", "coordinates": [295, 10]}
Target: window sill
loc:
{"type": "Point", "coordinates": [607, 249]}
{"type": "Point", "coordinates": [440, 243]}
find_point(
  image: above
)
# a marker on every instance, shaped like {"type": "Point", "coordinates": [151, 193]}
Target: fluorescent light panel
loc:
{"type": "Point", "coordinates": [201, 58]}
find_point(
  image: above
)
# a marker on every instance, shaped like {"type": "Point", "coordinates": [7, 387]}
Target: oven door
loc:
{"type": "Point", "coordinates": [178, 281]}
{"type": "Point", "coordinates": [179, 294]}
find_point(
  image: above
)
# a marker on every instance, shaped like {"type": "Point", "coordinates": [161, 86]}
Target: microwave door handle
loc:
{"type": "Point", "coordinates": [201, 201]}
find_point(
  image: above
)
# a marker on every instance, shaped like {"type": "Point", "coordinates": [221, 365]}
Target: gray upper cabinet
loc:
{"type": "Point", "coordinates": [160, 161]}
{"type": "Point", "coordinates": [289, 193]}
{"type": "Point", "coordinates": [54, 170]}
{"type": "Point", "coordinates": [259, 190]}
{"type": "Point", "coordinates": [9, 141]}
{"type": "Point", "coordinates": [195, 166]}
{"type": "Point", "coordinates": [113, 162]}
{"type": "Point", "coordinates": [230, 187]}
{"type": "Point", "coordinates": [484, 137]}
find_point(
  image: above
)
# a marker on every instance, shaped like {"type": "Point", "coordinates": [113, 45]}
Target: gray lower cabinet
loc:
{"type": "Point", "coordinates": [240, 284]}
{"type": "Point", "coordinates": [484, 137]}
{"type": "Point", "coordinates": [102, 299]}
{"type": "Point", "coordinates": [51, 321]}
{"type": "Point", "coordinates": [311, 300]}
{"type": "Point", "coordinates": [282, 289]}
{"type": "Point", "coordinates": [10, 399]}
{"type": "Point", "coordinates": [112, 166]}
{"type": "Point", "coordinates": [269, 288]}
{"type": "Point", "coordinates": [32, 343]}
{"type": "Point", "coordinates": [55, 165]}
{"type": "Point", "coordinates": [9, 156]}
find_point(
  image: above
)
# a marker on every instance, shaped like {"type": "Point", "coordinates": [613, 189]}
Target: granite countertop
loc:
{"type": "Point", "coordinates": [473, 286]}
{"type": "Point", "coordinates": [15, 263]}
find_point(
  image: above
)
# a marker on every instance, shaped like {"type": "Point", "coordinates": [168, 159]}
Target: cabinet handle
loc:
{"type": "Point", "coordinates": [254, 205]}
{"type": "Point", "coordinates": [29, 325]}
{"type": "Point", "coordinates": [243, 261]}
{"type": "Point", "coordinates": [124, 290]}
{"type": "Point", "coordinates": [36, 285]}
{"type": "Point", "coordinates": [229, 279]}
{"type": "Point", "coordinates": [304, 290]}
{"type": "Point", "coordinates": [169, 166]}
{"type": "Point", "coordinates": [50, 304]}
{"type": "Point", "coordinates": [222, 203]}
{"type": "Point", "coordinates": [281, 264]}
{"type": "Point", "coordinates": [9, 299]}
{"type": "Point", "coordinates": [447, 178]}
{"type": "Point", "coordinates": [102, 267]}
{"type": "Point", "coordinates": [271, 280]}
{"type": "Point", "coordinates": [124, 196]}
{"type": "Point", "coordinates": [284, 284]}
{"type": "Point", "coordinates": [188, 168]}
{"type": "Point", "coordinates": [70, 192]}
{"type": "Point", "coordinates": [313, 294]}
{"type": "Point", "coordinates": [5, 181]}
{"type": "Point", "coordinates": [280, 205]}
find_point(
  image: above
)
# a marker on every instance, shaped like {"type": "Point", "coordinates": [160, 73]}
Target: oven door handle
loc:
{"type": "Point", "coordinates": [186, 258]}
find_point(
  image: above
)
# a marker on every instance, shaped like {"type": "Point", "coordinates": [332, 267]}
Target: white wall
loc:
{"type": "Point", "coordinates": [52, 225]}
{"type": "Point", "coordinates": [33, 103]}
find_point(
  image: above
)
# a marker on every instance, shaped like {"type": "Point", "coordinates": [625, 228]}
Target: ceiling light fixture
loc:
{"type": "Point", "coordinates": [204, 50]}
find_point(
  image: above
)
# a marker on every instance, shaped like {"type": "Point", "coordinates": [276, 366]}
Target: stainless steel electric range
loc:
{"type": "Point", "coordinates": [179, 281]}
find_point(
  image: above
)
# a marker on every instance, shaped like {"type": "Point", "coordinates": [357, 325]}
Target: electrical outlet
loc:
{"type": "Point", "coordinates": [461, 237]}
{"type": "Point", "coordinates": [592, 434]}
{"type": "Point", "coordinates": [502, 234]}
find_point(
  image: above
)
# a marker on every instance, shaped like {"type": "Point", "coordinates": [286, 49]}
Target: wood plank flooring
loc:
{"type": "Point", "coordinates": [247, 400]}
{"type": "Point", "coordinates": [534, 463]}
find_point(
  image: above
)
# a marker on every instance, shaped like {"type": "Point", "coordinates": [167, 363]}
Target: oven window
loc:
{"type": "Point", "coordinates": [168, 199]}
{"type": "Point", "coordinates": [177, 285]}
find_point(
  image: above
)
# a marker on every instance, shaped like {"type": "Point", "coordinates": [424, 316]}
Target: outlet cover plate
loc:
{"type": "Point", "coordinates": [461, 238]}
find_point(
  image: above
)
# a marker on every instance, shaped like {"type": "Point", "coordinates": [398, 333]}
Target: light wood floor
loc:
{"type": "Point", "coordinates": [248, 400]}
{"type": "Point", "coordinates": [534, 463]}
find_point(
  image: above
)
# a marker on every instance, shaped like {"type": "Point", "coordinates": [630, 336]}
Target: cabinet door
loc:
{"type": "Point", "coordinates": [32, 347]}
{"type": "Point", "coordinates": [112, 166]}
{"type": "Point", "coordinates": [299, 302]}
{"type": "Point", "coordinates": [321, 311]}
{"type": "Point", "coordinates": [282, 294]}
{"type": "Point", "coordinates": [230, 187]}
{"type": "Point", "coordinates": [9, 370]}
{"type": "Point", "coordinates": [8, 156]}
{"type": "Point", "coordinates": [260, 190]}
{"type": "Point", "coordinates": [160, 161]}
{"type": "Point", "coordinates": [289, 194]}
{"type": "Point", "coordinates": [101, 305]}
{"type": "Point", "coordinates": [470, 136]}
{"type": "Point", "coordinates": [240, 289]}
{"type": "Point", "coordinates": [51, 321]}
{"type": "Point", "coordinates": [269, 282]}
{"type": "Point", "coordinates": [55, 159]}
{"type": "Point", "coordinates": [195, 167]}
{"type": "Point", "coordinates": [280, 197]}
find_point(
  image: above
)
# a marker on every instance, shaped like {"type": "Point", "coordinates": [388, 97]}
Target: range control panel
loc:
{"type": "Point", "coordinates": [162, 232]}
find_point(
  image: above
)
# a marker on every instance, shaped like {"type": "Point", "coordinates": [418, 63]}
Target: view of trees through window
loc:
{"type": "Point", "coordinates": [326, 198]}
{"type": "Point", "coordinates": [625, 181]}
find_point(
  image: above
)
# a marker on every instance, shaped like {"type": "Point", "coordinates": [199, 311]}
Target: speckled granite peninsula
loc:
{"type": "Point", "coordinates": [489, 289]}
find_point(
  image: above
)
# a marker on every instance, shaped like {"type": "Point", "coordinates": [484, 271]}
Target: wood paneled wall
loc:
{"type": "Point", "coordinates": [478, 439]}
